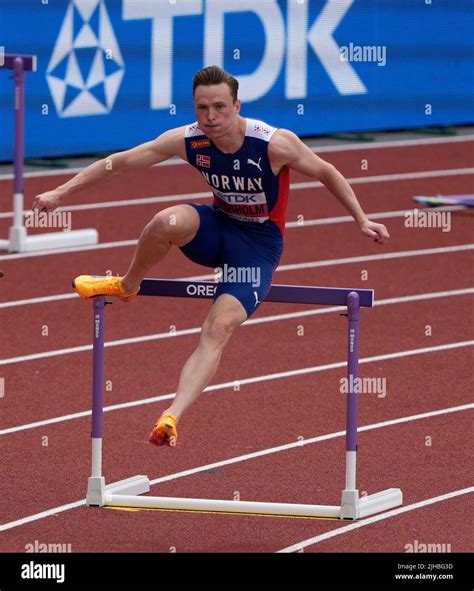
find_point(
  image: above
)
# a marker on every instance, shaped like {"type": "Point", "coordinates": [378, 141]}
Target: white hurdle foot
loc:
{"type": "Point", "coordinates": [353, 507]}
{"type": "Point", "coordinates": [381, 501]}
{"type": "Point", "coordinates": [55, 240]}
{"type": "Point", "coordinates": [98, 494]}
{"type": "Point", "coordinates": [350, 504]}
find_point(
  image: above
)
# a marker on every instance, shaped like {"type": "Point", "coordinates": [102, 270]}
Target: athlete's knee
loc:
{"type": "Point", "coordinates": [175, 224]}
{"type": "Point", "coordinates": [218, 330]}
{"type": "Point", "coordinates": [157, 227]}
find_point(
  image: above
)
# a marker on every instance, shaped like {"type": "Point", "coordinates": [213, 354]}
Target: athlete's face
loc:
{"type": "Point", "coordinates": [215, 110]}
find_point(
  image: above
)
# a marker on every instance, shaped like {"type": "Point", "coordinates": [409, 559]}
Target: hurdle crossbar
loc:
{"type": "Point", "coordinates": [18, 239]}
{"type": "Point", "coordinates": [128, 492]}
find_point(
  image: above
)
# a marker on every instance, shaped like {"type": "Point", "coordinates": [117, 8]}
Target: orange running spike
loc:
{"type": "Point", "coordinates": [164, 432]}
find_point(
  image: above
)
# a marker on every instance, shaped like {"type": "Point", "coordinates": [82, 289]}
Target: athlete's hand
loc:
{"type": "Point", "coordinates": [376, 231]}
{"type": "Point", "coordinates": [48, 201]}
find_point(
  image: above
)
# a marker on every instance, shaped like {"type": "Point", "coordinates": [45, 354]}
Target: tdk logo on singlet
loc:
{"type": "Point", "coordinates": [241, 198]}
{"type": "Point", "coordinates": [239, 183]}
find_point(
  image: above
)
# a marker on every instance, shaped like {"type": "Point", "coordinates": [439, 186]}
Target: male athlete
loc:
{"type": "Point", "coordinates": [246, 163]}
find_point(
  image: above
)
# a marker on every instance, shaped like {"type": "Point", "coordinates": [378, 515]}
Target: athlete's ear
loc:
{"type": "Point", "coordinates": [237, 106]}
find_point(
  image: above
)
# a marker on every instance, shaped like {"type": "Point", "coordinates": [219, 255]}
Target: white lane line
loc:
{"type": "Point", "coordinates": [403, 176]}
{"type": "Point", "coordinates": [379, 215]}
{"type": "Point", "coordinates": [293, 186]}
{"type": "Point", "coordinates": [376, 257]}
{"type": "Point", "coordinates": [124, 202]}
{"type": "Point", "coordinates": [395, 143]}
{"type": "Point", "coordinates": [70, 296]}
{"type": "Point", "coordinates": [362, 259]}
{"type": "Point", "coordinates": [370, 520]}
{"type": "Point", "coordinates": [197, 329]}
{"type": "Point", "coordinates": [318, 439]}
{"type": "Point", "coordinates": [250, 456]}
{"type": "Point", "coordinates": [343, 147]}
{"type": "Point", "coordinates": [44, 253]}
{"type": "Point", "coordinates": [377, 303]}
{"type": "Point", "coordinates": [296, 224]}
{"type": "Point", "coordinates": [42, 515]}
{"type": "Point", "coordinates": [243, 382]}
{"type": "Point", "coordinates": [399, 176]}
{"type": "Point", "coordinates": [289, 267]}
{"type": "Point", "coordinates": [74, 170]}
{"type": "Point", "coordinates": [41, 300]}
{"type": "Point", "coordinates": [48, 354]}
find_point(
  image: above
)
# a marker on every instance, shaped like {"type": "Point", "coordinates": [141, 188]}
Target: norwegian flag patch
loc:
{"type": "Point", "coordinates": [202, 160]}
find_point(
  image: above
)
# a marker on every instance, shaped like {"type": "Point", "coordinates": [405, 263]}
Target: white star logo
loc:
{"type": "Point", "coordinates": [86, 67]}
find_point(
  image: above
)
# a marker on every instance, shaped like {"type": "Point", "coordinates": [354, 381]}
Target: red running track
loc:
{"type": "Point", "coordinates": [427, 403]}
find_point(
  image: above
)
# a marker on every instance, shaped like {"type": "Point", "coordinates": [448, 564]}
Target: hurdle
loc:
{"type": "Point", "coordinates": [18, 239]}
{"type": "Point", "coordinates": [126, 493]}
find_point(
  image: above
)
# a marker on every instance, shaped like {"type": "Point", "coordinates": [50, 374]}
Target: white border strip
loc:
{"type": "Point", "coordinates": [242, 382]}
{"type": "Point", "coordinates": [344, 147]}
{"type": "Point", "coordinates": [242, 458]}
{"type": "Point", "coordinates": [370, 520]}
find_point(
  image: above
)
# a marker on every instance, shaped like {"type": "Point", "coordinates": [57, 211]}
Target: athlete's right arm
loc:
{"type": "Point", "coordinates": [165, 146]}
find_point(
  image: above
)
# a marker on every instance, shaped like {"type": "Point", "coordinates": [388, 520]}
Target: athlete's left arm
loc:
{"type": "Point", "coordinates": [286, 149]}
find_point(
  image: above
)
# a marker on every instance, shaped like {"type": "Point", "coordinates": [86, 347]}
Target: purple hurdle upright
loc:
{"type": "Point", "coordinates": [18, 239]}
{"type": "Point", "coordinates": [97, 491]}
{"type": "Point", "coordinates": [127, 493]}
{"type": "Point", "coordinates": [97, 385]}
{"type": "Point", "coordinates": [19, 64]}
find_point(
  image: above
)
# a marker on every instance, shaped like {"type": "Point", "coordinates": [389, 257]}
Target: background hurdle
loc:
{"type": "Point", "coordinates": [18, 240]}
{"type": "Point", "coordinates": [126, 493]}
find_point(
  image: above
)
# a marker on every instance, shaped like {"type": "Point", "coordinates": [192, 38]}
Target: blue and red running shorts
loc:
{"type": "Point", "coordinates": [247, 253]}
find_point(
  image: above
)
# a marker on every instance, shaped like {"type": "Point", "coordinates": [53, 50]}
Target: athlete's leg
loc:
{"type": "Point", "coordinates": [225, 315]}
{"type": "Point", "coordinates": [175, 225]}
{"type": "Point", "coordinates": [235, 301]}
{"type": "Point", "coordinates": [196, 229]}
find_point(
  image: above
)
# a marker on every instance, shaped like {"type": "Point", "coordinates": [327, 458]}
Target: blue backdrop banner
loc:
{"type": "Point", "coordinates": [115, 73]}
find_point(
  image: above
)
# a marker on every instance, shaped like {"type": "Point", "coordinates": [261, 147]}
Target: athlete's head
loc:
{"type": "Point", "coordinates": [215, 100]}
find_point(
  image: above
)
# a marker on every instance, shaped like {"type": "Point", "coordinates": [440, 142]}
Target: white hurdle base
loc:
{"type": "Point", "coordinates": [353, 507]}
{"type": "Point", "coordinates": [98, 493]}
{"type": "Point", "coordinates": [125, 493]}
{"type": "Point", "coordinates": [19, 241]}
